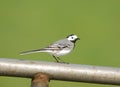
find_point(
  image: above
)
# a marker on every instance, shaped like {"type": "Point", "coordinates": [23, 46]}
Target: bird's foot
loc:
{"type": "Point", "coordinates": [63, 62]}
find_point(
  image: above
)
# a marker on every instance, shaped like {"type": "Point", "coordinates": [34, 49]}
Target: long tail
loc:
{"type": "Point", "coordinates": [31, 51]}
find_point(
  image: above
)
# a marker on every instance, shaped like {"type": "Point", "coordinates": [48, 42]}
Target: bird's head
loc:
{"type": "Point", "coordinates": [73, 38]}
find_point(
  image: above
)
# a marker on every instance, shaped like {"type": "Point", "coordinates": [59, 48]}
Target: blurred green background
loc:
{"type": "Point", "coordinates": [32, 24]}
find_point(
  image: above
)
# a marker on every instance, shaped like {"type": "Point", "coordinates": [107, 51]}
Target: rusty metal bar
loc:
{"type": "Point", "coordinates": [40, 80]}
{"type": "Point", "coordinates": [60, 71]}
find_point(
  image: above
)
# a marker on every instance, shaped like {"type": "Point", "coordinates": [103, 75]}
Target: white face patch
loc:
{"type": "Point", "coordinates": [72, 37]}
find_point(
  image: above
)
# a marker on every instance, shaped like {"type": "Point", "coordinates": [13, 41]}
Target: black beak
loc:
{"type": "Point", "coordinates": [78, 38]}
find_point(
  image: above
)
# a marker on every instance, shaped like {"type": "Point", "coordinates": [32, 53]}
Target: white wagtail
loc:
{"type": "Point", "coordinates": [59, 48]}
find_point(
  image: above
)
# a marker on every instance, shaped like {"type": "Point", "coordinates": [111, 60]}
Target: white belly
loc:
{"type": "Point", "coordinates": [62, 52]}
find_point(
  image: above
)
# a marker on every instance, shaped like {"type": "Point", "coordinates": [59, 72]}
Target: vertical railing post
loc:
{"type": "Point", "coordinates": [40, 80]}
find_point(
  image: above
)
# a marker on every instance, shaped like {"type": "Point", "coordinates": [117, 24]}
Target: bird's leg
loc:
{"type": "Point", "coordinates": [61, 60]}
{"type": "Point", "coordinates": [56, 58]}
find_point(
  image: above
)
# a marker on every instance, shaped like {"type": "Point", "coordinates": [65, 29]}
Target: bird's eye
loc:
{"type": "Point", "coordinates": [72, 37]}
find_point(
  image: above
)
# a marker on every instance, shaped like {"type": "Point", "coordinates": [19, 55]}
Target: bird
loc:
{"type": "Point", "coordinates": [58, 48]}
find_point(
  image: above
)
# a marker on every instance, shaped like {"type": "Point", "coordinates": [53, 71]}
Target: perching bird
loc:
{"type": "Point", "coordinates": [59, 48]}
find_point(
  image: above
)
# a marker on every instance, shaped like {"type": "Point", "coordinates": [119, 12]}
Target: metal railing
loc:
{"type": "Point", "coordinates": [42, 72]}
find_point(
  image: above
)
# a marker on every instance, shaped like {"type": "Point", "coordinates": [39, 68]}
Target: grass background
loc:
{"type": "Point", "coordinates": [31, 24]}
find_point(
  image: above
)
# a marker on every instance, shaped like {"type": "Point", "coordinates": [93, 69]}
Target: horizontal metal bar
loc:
{"type": "Point", "coordinates": [60, 71]}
